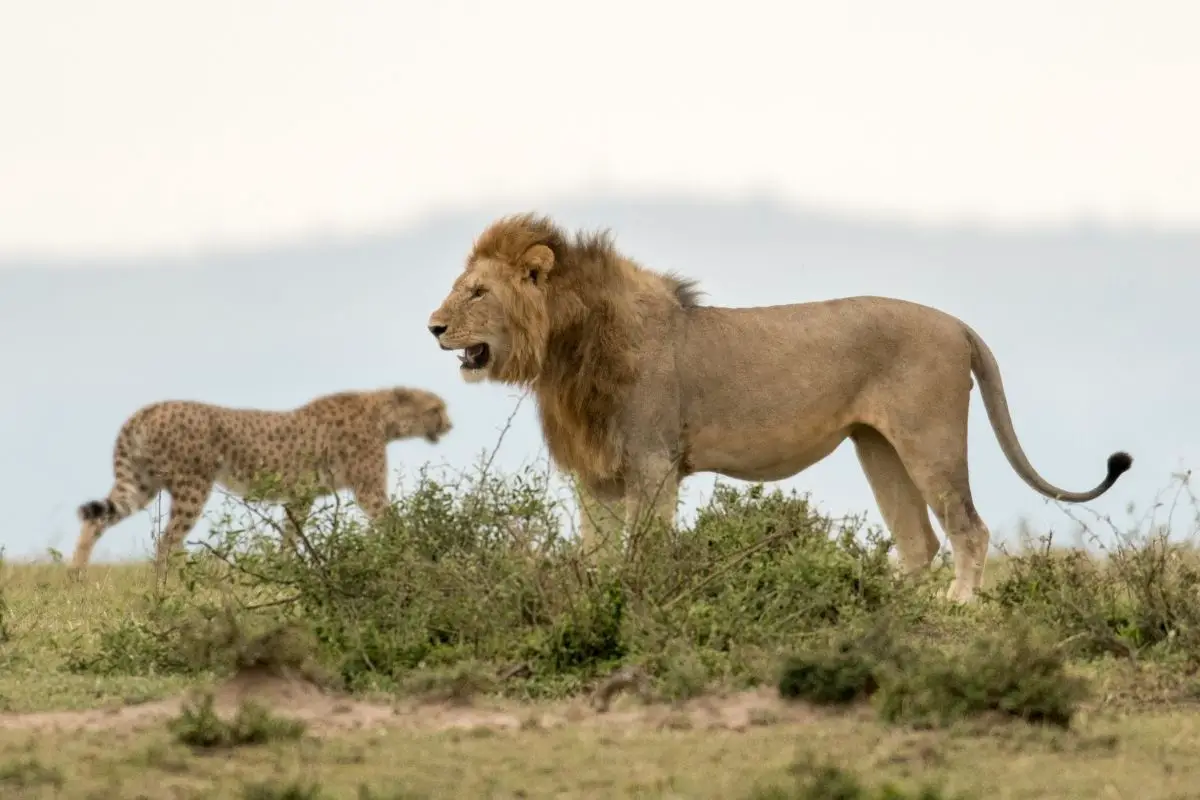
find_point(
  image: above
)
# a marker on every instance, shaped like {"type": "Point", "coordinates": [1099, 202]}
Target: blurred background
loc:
{"type": "Point", "coordinates": [254, 203]}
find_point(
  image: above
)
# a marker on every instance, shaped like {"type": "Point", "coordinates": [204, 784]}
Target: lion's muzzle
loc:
{"type": "Point", "coordinates": [476, 356]}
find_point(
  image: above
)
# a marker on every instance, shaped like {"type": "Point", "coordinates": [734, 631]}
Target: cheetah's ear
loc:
{"type": "Point", "coordinates": [537, 262]}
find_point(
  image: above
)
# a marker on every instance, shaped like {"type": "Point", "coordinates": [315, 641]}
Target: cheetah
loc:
{"type": "Point", "coordinates": [336, 441]}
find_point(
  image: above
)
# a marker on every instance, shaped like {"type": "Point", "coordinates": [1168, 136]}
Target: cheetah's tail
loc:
{"type": "Point", "coordinates": [111, 509]}
{"type": "Point", "coordinates": [97, 509]}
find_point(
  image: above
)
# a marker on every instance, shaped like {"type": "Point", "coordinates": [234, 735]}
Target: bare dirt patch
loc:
{"type": "Point", "coordinates": [326, 712]}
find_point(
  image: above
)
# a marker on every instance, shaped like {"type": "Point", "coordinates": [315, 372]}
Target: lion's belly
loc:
{"type": "Point", "coordinates": [770, 455]}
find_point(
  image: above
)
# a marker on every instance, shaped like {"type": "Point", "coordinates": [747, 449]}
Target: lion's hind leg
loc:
{"type": "Point", "coordinates": [935, 457]}
{"type": "Point", "coordinates": [900, 502]}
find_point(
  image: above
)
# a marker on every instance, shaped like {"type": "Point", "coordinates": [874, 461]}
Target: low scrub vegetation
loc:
{"type": "Point", "coordinates": [473, 585]}
{"type": "Point", "coordinates": [1012, 671]}
{"type": "Point", "coordinates": [198, 725]}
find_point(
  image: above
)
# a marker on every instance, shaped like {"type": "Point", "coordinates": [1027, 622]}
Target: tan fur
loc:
{"type": "Point", "coordinates": [337, 441]}
{"type": "Point", "coordinates": [639, 386]}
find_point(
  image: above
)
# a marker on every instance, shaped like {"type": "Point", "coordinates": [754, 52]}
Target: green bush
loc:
{"type": "Point", "coordinates": [1136, 597]}
{"type": "Point", "coordinates": [478, 570]}
{"type": "Point", "coordinates": [1011, 671]}
{"type": "Point", "coordinates": [198, 725]}
{"type": "Point", "coordinates": [846, 671]}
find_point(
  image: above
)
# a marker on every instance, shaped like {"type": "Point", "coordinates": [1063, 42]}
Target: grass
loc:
{"type": "Point", "coordinates": [1149, 755]}
{"type": "Point", "coordinates": [200, 726]}
{"type": "Point", "coordinates": [468, 641]}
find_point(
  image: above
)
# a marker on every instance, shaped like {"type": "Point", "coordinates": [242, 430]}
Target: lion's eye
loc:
{"type": "Point", "coordinates": [478, 293]}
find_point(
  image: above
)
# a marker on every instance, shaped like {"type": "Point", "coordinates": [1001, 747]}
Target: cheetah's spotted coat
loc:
{"type": "Point", "coordinates": [333, 442]}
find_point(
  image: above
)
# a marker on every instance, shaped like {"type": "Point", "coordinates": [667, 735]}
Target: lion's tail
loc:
{"type": "Point", "coordinates": [987, 372]}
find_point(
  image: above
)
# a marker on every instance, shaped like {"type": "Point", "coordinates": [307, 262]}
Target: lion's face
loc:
{"type": "Point", "coordinates": [496, 313]}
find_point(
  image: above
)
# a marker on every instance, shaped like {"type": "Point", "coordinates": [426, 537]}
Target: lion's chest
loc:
{"type": "Point", "coordinates": [581, 437]}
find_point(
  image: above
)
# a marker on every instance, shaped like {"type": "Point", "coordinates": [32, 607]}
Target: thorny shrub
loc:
{"type": "Point", "coordinates": [480, 570]}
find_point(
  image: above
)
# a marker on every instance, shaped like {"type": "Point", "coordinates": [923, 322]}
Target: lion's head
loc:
{"type": "Point", "coordinates": [414, 412]}
{"type": "Point", "coordinates": [498, 310]}
{"type": "Point", "coordinates": [567, 316]}
{"type": "Point", "coordinates": [526, 282]}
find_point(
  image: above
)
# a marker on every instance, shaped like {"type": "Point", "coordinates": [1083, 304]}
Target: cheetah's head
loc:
{"type": "Point", "coordinates": [416, 412]}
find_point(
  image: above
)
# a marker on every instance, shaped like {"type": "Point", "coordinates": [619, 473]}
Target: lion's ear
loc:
{"type": "Point", "coordinates": [537, 262]}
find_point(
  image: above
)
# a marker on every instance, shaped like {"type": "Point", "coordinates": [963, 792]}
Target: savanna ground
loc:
{"type": "Point", "coordinates": [464, 650]}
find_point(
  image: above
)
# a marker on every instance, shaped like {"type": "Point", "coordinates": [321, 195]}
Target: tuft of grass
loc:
{"type": "Point", "coordinates": [199, 726]}
{"type": "Point", "coordinates": [28, 772]}
{"type": "Point", "coordinates": [847, 670]}
{"type": "Point", "coordinates": [367, 793]}
{"type": "Point", "coordinates": [275, 790]}
{"type": "Point", "coordinates": [819, 780]}
{"type": "Point", "coordinates": [456, 685]}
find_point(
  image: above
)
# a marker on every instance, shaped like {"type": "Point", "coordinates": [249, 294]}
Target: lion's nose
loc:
{"type": "Point", "coordinates": [437, 330]}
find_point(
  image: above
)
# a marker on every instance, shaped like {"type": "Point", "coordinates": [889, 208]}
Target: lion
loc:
{"type": "Point", "coordinates": [638, 385]}
{"type": "Point", "coordinates": [333, 442]}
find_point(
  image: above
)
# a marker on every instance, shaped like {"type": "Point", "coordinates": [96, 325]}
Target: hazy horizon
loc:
{"type": "Point", "coordinates": [1090, 326]}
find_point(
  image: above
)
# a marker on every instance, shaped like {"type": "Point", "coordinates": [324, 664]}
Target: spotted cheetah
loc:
{"type": "Point", "coordinates": [336, 441]}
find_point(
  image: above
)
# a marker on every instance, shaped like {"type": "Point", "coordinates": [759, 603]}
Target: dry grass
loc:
{"type": "Point", "coordinates": [1148, 756]}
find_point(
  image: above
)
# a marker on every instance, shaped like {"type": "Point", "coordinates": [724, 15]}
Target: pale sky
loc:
{"type": "Point", "coordinates": [144, 127]}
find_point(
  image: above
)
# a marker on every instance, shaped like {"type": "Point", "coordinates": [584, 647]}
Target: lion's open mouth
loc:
{"type": "Point", "coordinates": [476, 356]}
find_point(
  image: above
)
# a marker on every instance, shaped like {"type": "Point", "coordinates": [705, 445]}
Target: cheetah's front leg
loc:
{"type": "Point", "coordinates": [370, 487]}
{"type": "Point", "coordinates": [373, 500]}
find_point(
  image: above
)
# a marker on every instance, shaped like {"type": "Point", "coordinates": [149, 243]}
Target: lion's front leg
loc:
{"type": "Point", "coordinates": [651, 497]}
{"type": "Point", "coordinates": [601, 518]}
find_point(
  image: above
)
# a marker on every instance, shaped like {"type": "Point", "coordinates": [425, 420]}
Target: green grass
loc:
{"type": "Point", "coordinates": [809, 668]}
{"type": "Point", "coordinates": [49, 617]}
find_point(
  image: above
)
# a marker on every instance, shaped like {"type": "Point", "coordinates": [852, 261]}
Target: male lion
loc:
{"type": "Point", "coordinates": [639, 386]}
{"type": "Point", "coordinates": [336, 441]}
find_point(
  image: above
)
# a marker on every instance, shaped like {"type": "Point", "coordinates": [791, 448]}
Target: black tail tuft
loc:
{"type": "Point", "coordinates": [95, 509]}
{"type": "Point", "coordinates": [1118, 464]}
